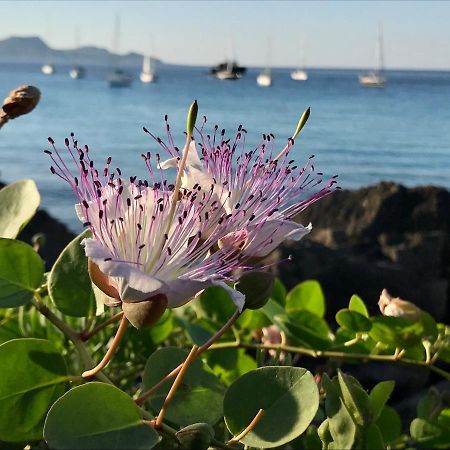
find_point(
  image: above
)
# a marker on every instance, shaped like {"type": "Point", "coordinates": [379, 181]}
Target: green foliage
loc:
{"type": "Point", "coordinates": [306, 296]}
{"type": "Point", "coordinates": [199, 399]}
{"type": "Point", "coordinates": [21, 273]}
{"type": "Point", "coordinates": [353, 321]}
{"type": "Point", "coordinates": [357, 304]}
{"type": "Point", "coordinates": [97, 416]}
{"type": "Point", "coordinates": [69, 285]}
{"type": "Point", "coordinates": [19, 202]}
{"type": "Point", "coordinates": [33, 376]}
{"type": "Point", "coordinates": [196, 436]}
{"type": "Point", "coordinates": [288, 396]}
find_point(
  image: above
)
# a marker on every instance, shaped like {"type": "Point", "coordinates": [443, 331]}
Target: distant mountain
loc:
{"type": "Point", "coordinates": [35, 50]}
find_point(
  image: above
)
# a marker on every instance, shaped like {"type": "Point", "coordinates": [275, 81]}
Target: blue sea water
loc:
{"type": "Point", "coordinates": [399, 133]}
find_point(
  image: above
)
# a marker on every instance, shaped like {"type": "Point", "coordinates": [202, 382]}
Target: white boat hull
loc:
{"type": "Point", "coordinates": [48, 69]}
{"type": "Point", "coordinates": [119, 79]}
{"type": "Point", "coordinates": [227, 75]}
{"type": "Point", "coordinates": [299, 75]}
{"type": "Point", "coordinates": [264, 80]}
{"type": "Point", "coordinates": [77, 73]}
{"type": "Point", "coordinates": [371, 80]}
{"type": "Point", "coordinates": [147, 77]}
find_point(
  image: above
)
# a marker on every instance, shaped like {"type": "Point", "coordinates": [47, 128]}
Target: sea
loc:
{"type": "Point", "coordinates": [399, 133]}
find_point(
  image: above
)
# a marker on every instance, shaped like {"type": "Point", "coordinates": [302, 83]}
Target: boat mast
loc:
{"type": "Point", "coordinates": [380, 67]}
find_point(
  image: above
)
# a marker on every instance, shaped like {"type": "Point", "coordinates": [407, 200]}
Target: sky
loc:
{"type": "Point", "coordinates": [332, 33]}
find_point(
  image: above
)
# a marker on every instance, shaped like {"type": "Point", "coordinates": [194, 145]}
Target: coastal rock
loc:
{"type": "Point", "coordinates": [383, 236]}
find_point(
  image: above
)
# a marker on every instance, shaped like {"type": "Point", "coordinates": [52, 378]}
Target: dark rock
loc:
{"type": "Point", "coordinates": [384, 236]}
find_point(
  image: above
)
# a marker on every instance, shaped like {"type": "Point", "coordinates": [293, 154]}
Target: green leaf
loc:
{"type": "Point", "coordinates": [162, 329]}
{"type": "Point", "coordinates": [379, 395]}
{"type": "Point", "coordinates": [252, 320]}
{"type": "Point", "coordinates": [306, 328]}
{"type": "Point", "coordinates": [279, 292]}
{"type": "Point", "coordinates": [373, 439]}
{"type": "Point", "coordinates": [357, 304]}
{"type": "Point", "coordinates": [21, 273]}
{"type": "Point", "coordinates": [33, 376]}
{"type": "Point", "coordinates": [396, 331]}
{"type": "Point", "coordinates": [200, 395]}
{"type": "Point", "coordinates": [230, 363]}
{"type": "Point", "coordinates": [288, 396]}
{"type": "Point", "coordinates": [390, 424]}
{"type": "Point", "coordinates": [197, 334]}
{"type": "Point", "coordinates": [353, 321]}
{"type": "Point", "coordinates": [216, 305]}
{"type": "Point", "coordinates": [19, 202]}
{"type": "Point", "coordinates": [307, 295]}
{"type": "Point", "coordinates": [97, 416]}
{"type": "Point", "coordinates": [355, 399]}
{"type": "Point", "coordinates": [69, 285]}
{"type": "Point", "coordinates": [341, 424]}
{"type": "Point", "coordinates": [423, 431]}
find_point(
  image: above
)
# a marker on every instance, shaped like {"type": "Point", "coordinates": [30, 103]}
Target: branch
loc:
{"type": "Point", "coordinates": [70, 333]}
{"type": "Point", "coordinates": [148, 393]}
{"type": "Point", "coordinates": [330, 354]}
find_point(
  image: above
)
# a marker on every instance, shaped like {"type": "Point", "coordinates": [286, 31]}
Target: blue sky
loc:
{"type": "Point", "coordinates": [335, 34]}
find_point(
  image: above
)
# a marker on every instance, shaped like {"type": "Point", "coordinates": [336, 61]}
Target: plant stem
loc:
{"type": "Point", "coordinates": [329, 354]}
{"type": "Point", "coordinates": [71, 334]}
{"type": "Point", "coordinates": [111, 350]}
{"type": "Point", "coordinates": [248, 428]}
{"type": "Point", "coordinates": [175, 385]}
{"type": "Point", "coordinates": [144, 396]}
{"type": "Point", "coordinates": [87, 335]}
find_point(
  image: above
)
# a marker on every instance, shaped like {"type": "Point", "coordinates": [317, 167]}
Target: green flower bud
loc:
{"type": "Point", "coordinates": [301, 123]}
{"type": "Point", "coordinates": [196, 436]}
{"type": "Point", "coordinates": [257, 288]}
{"type": "Point", "coordinates": [146, 313]}
{"type": "Point", "coordinates": [192, 117]}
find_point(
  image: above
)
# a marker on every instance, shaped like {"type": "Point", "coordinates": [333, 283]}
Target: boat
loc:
{"type": "Point", "coordinates": [77, 72]}
{"type": "Point", "coordinates": [228, 70]}
{"type": "Point", "coordinates": [48, 69]}
{"type": "Point", "coordinates": [118, 77]}
{"type": "Point", "coordinates": [264, 79]}
{"type": "Point", "coordinates": [376, 77]}
{"type": "Point", "coordinates": [300, 74]}
{"type": "Point", "coordinates": [148, 74]}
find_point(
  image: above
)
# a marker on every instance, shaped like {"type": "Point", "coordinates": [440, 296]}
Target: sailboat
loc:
{"type": "Point", "coordinates": [264, 79]}
{"type": "Point", "coordinates": [300, 74]}
{"type": "Point", "coordinates": [77, 71]}
{"type": "Point", "coordinates": [48, 69]}
{"type": "Point", "coordinates": [230, 69]}
{"type": "Point", "coordinates": [376, 77]}
{"type": "Point", "coordinates": [148, 74]}
{"type": "Point", "coordinates": [118, 77]}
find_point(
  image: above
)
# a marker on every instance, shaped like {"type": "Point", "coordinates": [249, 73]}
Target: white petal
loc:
{"type": "Point", "coordinates": [169, 163]}
{"type": "Point", "coordinates": [180, 291]}
{"type": "Point", "coordinates": [237, 297]}
{"type": "Point", "coordinates": [263, 238]}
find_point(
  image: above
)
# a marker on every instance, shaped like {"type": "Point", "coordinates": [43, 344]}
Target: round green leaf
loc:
{"type": "Point", "coordinates": [19, 202]}
{"type": "Point", "coordinates": [69, 285]}
{"type": "Point", "coordinates": [357, 304]}
{"type": "Point", "coordinates": [353, 321]}
{"type": "Point", "coordinates": [199, 397]}
{"type": "Point", "coordinates": [33, 376]}
{"type": "Point", "coordinates": [21, 272]}
{"type": "Point", "coordinates": [215, 304]}
{"type": "Point", "coordinates": [97, 416]}
{"type": "Point", "coordinates": [288, 396]}
{"type": "Point", "coordinates": [306, 295]}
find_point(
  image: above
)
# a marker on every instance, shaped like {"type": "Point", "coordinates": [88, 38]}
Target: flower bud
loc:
{"type": "Point", "coordinates": [196, 436]}
{"type": "Point", "coordinates": [146, 313]}
{"type": "Point", "coordinates": [21, 100]}
{"type": "Point", "coordinates": [192, 117]}
{"type": "Point", "coordinates": [257, 288]}
{"type": "Point", "coordinates": [302, 122]}
{"type": "Point", "coordinates": [397, 307]}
